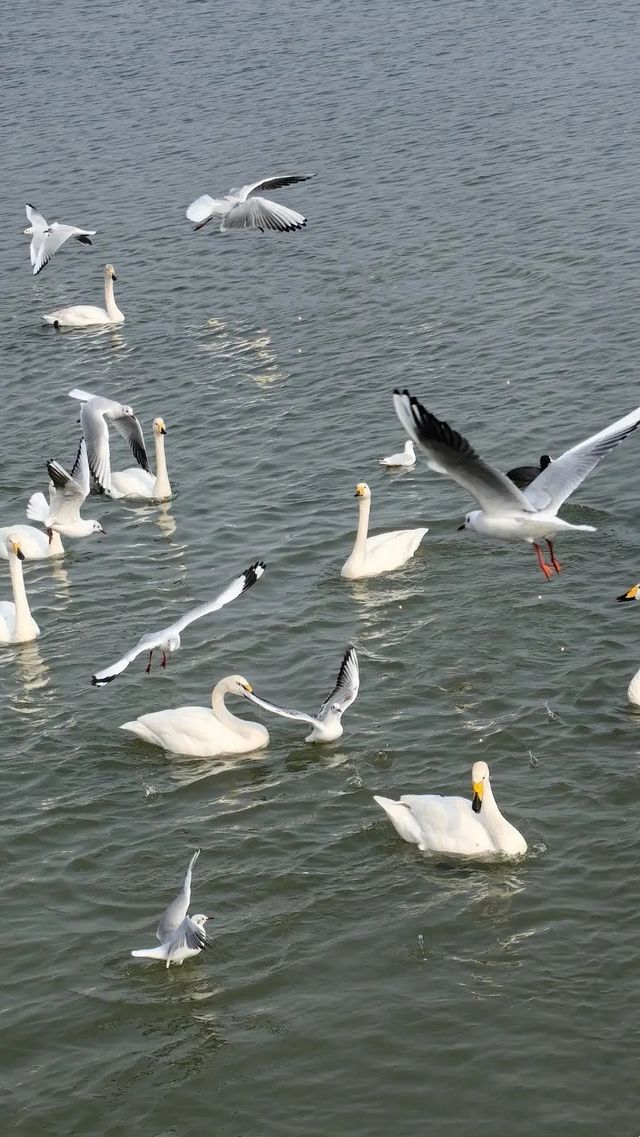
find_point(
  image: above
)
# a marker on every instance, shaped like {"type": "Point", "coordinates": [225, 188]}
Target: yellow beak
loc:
{"type": "Point", "coordinates": [632, 594]}
{"type": "Point", "coordinates": [249, 688]}
{"type": "Point", "coordinates": [478, 790]}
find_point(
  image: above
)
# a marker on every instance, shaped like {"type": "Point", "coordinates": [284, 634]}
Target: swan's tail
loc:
{"type": "Point", "coordinates": [402, 819]}
{"type": "Point", "coordinates": [38, 508]}
{"type": "Point", "coordinates": [151, 953]}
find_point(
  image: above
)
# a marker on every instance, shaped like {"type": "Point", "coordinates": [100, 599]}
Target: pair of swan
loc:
{"type": "Point", "coordinates": [89, 315]}
{"type": "Point", "coordinates": [372, 556]}
{"type": "Point", "coordinates": [455, 825]}
{"type": "Point", "coordinates": [17, 625]}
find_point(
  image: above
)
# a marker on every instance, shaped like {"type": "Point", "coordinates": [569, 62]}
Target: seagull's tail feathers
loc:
{"type": "Point", "coordinates": [78, 393]}
{"type": "Point", "coordinates": [585, 528]}
{"type": "Point", "coordinates": [38, 508]}
{"type": "Point", "coordinates": [151, 953]}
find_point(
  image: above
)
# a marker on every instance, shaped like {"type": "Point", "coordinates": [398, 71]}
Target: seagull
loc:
{"type": "Point", "coordinates": [47, 239]}
{"type": "Point", "coordinates": [327, 724]}
{"type": "Point", "coordinates": [180, 935]}
{"type": "Point", "coordinates": [95, 415]}
{"type": "Point", "coordinates": [168, 639]}
{"type": "Point", "coordinates": [239, 210]}
{"type": "Point", "coordinates": [62, 513]}
{"type": "Point", "coordinates": [505, 511]}
{"type": "Point", "coordinates": [523, 476]}
{"type": "Point", "coordinates": [406, 458]}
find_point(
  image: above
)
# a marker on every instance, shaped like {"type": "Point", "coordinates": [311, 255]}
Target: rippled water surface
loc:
{"type": "Point", "coordinates": [473, 234]}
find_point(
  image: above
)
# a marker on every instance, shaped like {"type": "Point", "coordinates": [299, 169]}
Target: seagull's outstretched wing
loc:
{"type": "Point", "coordinates": [80, 472]}
{"type": "Point", "coordinates": [70, 491]}
{"type": "Point", "coordinates": [555, 484]}
{"type": "Point", "coordinates": [347, 685]}
{"type": "Point", "coordinates": [108, 674]}
{"type": "Point", "coordinates": [259, 213]}
{"type": "Point", "coordinates": [233, 590]}
{"type": "Point", "coordinates": [175, 913]}
{"type": "Point", "coordinates": [272, 183]}
{"type": "Point", "coordinates": [49, 243]}
{"type": "Point", "coordinates": [449, 453]}
{"type": "Point", "coordinates": [96, 436]}
{"type": "Point", "coordinates": [129, 427]}
{"type": "Point", "coordinates": [188, 935]}
{"type": "Point", "coordinates": [284, 712]}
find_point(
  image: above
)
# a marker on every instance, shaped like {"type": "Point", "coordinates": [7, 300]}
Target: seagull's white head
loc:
{"type": "Point", "coordinates": [158, 426]}
{"type": "Point", "coordinates": [127, 411]}
{"type": "Point", "coordinates": [28, 232]}
{"type": "Point", "coordinates": [479, 779]}
{"type": "Point", "coordinates": [96, 527]}
{"type": "Point", "coordinates": [201, 920]}
{"type": "Point", "coordinates": [470, 521]}
{"type": "Point", "coordinates": [172, 642]}
{"type": "Point", "coordinates": [408, 448]}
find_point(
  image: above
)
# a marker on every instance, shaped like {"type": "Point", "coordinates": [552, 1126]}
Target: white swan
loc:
{"type": "Point", "coordinates": [46, 239]}
{"type": "Point", "coordinates": [35, 544]}
{"type": "Point", "coordinates": [455, 825]}
{"type": "Point", "coordinates": [382, 553]}
{"type": "Point", "coordinates": [139, 483]}
{"type": "Point", "coordinates": [201, 732]}
{"type": "Point", "coordinates": [88, 315]}
{"type": "Point", "coordinates": [406, 458]}
{"type": "Point", "coordinates": [633, 690]}
{"type": "Point", "coordinates": [17, 625]}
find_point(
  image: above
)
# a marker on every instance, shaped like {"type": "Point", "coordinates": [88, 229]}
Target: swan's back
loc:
{"type": "Point", "coordinates": [81, 316]}
{"type": "Point", "coordinates": [34, 543]}
{"type": "Point", "coordinates": [133, 482]}
{"type": "Point", "coordinates": [7, 621]}
{"type": "Point", "coordinates": [390, 550]}
{"type": "Point", "coordinates": [448, 824]}
{"type": "Point", "coordinates": [195, 731]}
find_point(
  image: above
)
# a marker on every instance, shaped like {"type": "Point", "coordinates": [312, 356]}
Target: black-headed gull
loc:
{"type": "Point", "coordinates": [406, 458]}
{"type": "Point", "coordinates": [95, 415]}
{"type": "Point", "coordinates": [62, 513]}
{"type": "Point", "coordinates": [46, 239]}
{"type": "Point", "coordinates": [327, 724]}
{"type": "Point", "coordinates": [506, 512]}
{"type": "Point", "coordinates": [238, 209]}
{"type": "Point", "coordinates": [180, 935]}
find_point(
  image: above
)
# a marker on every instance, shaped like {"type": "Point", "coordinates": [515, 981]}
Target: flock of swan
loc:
{"type": "Point", "coordinates": [521, 505]}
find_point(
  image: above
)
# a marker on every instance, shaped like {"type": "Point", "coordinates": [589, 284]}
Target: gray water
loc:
{"type": "Point", "coordinates": [473, 235]}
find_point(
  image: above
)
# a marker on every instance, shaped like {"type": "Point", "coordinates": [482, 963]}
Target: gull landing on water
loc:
{"type": "Point", "coordinates": [47, 239]}
{"type": "Point", "coordinates": [180, 935]}
{"type": "Point", "coordinates": [238, 209]}
{"type": "Point", "coordinates": [168, 639]}
{"type": "Point", "coordinates": [327, 724]}
{"type": "Point", "coordinates": [406, 458]}
{"type": "Point", "coordinates": [95, 415]}
{"type": "Point", "coordinates": [505, 512]}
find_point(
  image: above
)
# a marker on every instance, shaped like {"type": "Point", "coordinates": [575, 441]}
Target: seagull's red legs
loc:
{"type": "Point", "coordinates": [543, 565]}
{"type": "Point", "coordinates": [554, 561]}
{"type": "Point", "coordinates": [165, 659]}
{"type": "Point", "coordinates": [148, 667]}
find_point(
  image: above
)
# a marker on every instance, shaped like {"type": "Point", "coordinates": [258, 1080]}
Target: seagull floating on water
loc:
{"type": "Point", "coordinates": [180, 935]}
{"type": "Point", "coordinates": [168, 639]}
{"type": "Point", "coordinates": [406, 458]}
{"type": "Point", "coordinates": [62, 513]}
{"type": "Point", "coordinates": [95, 415]}
{"type": "Point", "coordinates": [47, 239]}
{"type": "Point", "coordinates": [506, 512]}
{"type": "Point", "coordinates": [238, 209]}
{"type": "Point", "coordinates": [327, 724]}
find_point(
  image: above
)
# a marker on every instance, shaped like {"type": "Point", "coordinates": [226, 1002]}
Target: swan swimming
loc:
{"type": "Point", "coordinates": [180, 935]}
{"type": "Point", "coordinates": [407, 458]}
{"type": "Point", "coordinates": [239, 210]}
{"type": "Point", "coordinates": [34, 544]}
{"type": "Point", "coordinates": [142, 484]}
{"type": "Point", "coordinates": [200, 732]}
{"type": "Point", "coordinates": [62, 513]}
{"type": "Point", "coordinates": [506, 512]}
{"type": "Point", "coordinates": [95, 415]}
{"type": "Point", "coordinates": [17, 625]}
{"type": "Point", "coordinates": [327, 724]}
{"type": "Point", "coordinates": [455, 825]}
{"type": "Point", "coordinates": [88, 315]}
{"type": "Point", "coordinates": [47, 239]}
{"type": "Point", "coordinates": [372, 556]}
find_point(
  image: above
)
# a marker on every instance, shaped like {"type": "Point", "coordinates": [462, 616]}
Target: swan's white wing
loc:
{"type": "Point", "coordinates": [96, 436]}
{"type": "Point", "coordinates": [271, 184]}
{"type": "Point", "coordinates": [204, 208]}
{"type": "Point", "coordinates": [284, 712]}
{"type": "Point", "coordinates": [147, 643]}
{"type": "Point", "coordinates": [49, 243]}
{"type": "Point", "coordinates": [129, 427]}
{"type": "Point", "coordinates": [347, 685]}
{"type": "Point", "coordinates": [80, 472]}
{"type": "Point", "coordinates": [449, 453]}
{"type": "Point", "coordinates": [233, 590]}
{"type": "Point", "coordinates": [555, 484]}
{"type": "Point", "coordinates": [173, 916]}
{"type": "Point", "coordinates": [35, 217]}
{"type": "Point", "coordinates": [258, 213]}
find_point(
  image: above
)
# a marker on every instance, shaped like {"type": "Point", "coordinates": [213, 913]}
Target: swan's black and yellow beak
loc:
{"type": "Point", "coordinates": [478, 789]}
{"type": "Point", "coordinates": [632, 594]}
{"type": "Point", "coordinates": [17, 550]}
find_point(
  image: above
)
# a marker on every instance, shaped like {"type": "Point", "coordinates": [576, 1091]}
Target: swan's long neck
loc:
{"type": "Point", "coordinates": [23, 613]}
{"type": "Point", "coordinates": [113, 312]}
{"type": "Point", "coordinates": [505, 837]}
{"type": "Point", "coordinates": [360, 544]}
{"type": "Point", "coordinates": [162, 487]}
{"type": "Point", "coordinates": [224, 715]}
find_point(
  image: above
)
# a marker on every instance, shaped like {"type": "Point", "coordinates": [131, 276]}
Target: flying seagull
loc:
{"type": "Point", "coordinates": [506, 512]}
{"type": "Point", "coordinates": [95, 415]}
{"type": "Point", "coordinates": [168, 639]}
{"type": "Point", "coordinates": [47, 239]}
{"type": "Point", "coordinates": [327, 724]}
{"type": "Point", "coordinates": [180, 935]}
{"type": "Point", "coordinates": [62, 513]}
{"type": "Point", "coordinates": [238, 209]}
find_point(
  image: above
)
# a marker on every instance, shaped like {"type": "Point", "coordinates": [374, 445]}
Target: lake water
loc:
{"type": "Point", "coordinates": [473, 234]}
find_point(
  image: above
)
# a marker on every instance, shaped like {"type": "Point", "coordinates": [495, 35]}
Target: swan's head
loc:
{"type": "Point", "coordinates": [13, 547]}
{"type": "Point", "coordinates": [96, 527]}
{"type": "Point", "coordinates": [469, 521]}
{"type": "Point", "coordinates": [632, 594]}
{"type": "Point", "coordinates": [158, 426]}
{"type": "Point", "coordinates": [479, 779]}
{"type": "Point", "coordinates": [110, 272]}
{"type": "Point", "coordinates": [362, 490]}
{"type": "Point", "coordinates": [237, 685]}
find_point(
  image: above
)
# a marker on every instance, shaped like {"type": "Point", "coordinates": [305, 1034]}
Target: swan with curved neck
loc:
{"type": "Point", "coordinates": [34, 543]}
{"type": "Point", "coordinates": [200, 732]}
{"type": "Point", "coordinates": [138, 483]}
{"type": "Point", "coordinates": [455, 825]}
{"type": "Point", "coordinates": [372, 556]}
{"type": "Point", "coordinates": [17, 625]}
{"type": "Point", "coordinates": [89, 315]}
